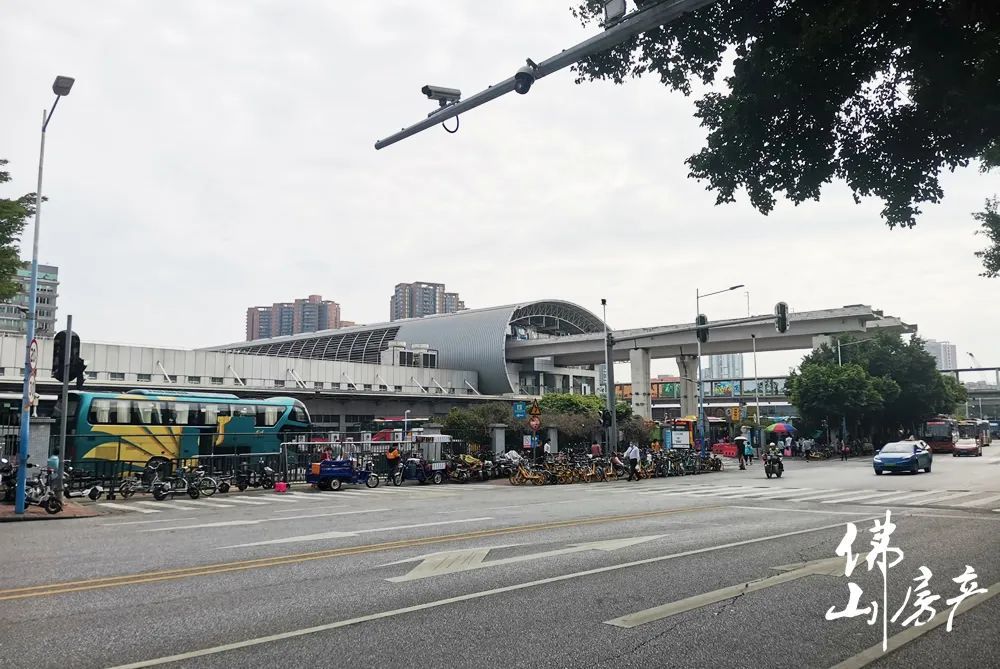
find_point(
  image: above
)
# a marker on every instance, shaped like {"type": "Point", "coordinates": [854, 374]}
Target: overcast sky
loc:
{"type": "Point", "coordinates": [218, 154]}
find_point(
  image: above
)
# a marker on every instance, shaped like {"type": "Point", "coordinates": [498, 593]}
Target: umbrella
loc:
{"type": "Point", "coordinates": [741, 438]}
{"type": "Point", "coordinates": [780, 427]}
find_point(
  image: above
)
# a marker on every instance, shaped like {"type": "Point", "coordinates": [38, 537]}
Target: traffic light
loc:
{"type": "Point", "coordinates": [734, 414]}
{"type": "Point", "coordinates": [702, 331]}
{"type": "Point", "coordinates": [781, 317]}
{"type": "Point", "coordinates": [605, 418]}
{"type": "Point", "coordinates": [76, 364]}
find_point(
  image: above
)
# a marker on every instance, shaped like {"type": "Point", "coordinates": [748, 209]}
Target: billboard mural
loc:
{"type": "Point", "coordinates": [725, 388]}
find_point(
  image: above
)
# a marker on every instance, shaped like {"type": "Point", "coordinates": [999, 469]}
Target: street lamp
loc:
{"type": "Point", "coordinates": [701, 407]}
{"type": "Point", "coordinates": [406, 426]}
{"type": "Point", "coordinates": [609, 391]}
{"type": "Point", "coordinates": [61, 87]}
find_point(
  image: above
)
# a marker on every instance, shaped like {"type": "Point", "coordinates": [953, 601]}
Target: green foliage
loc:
{"type": "Point", "coordinates": [903, 375]}
{"type": "Point", "coordinates": [567, 403]}
{"type": "Point", "coordinates": [989, 222]}
{"type": "Point", "coordinates": [473, 425]}
{"type": "Point", "coordinates": [13, 215]}
{"type": "Point", "coordinates": [882, 95]}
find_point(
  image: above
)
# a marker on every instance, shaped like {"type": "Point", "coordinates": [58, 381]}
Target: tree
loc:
{"type": "Point", "coordinates": [989, 222]}
{"type": "Point", "coordinates": [13, 215]}
{"type": "Point", "coordinates": [828, 391]}
{"type": "Point", "coordinates": [882, 95]}
{"type": "Point", "coordinates": [568, 403]}
{"type": "Point", "coordinates": [904, 373]}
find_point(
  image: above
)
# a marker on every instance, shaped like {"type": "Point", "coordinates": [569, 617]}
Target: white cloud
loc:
{"type": "Point", "coordinates": [218, 155]}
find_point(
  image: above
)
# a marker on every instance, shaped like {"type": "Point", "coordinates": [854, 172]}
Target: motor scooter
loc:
{"type": "Point", "coordinates": [773, 466]}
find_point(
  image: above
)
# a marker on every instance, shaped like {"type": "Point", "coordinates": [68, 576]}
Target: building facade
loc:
{"type": "Point", "coordinates": [421, 298]}
{"type": "Point", "coordinates": [14, 314]}
{"type": "Point", "coordinates": [728, 366]}
{"type": "Point", "coordinates": [945, 353]}
{"type": "Point", "coordinates": [282, 319]}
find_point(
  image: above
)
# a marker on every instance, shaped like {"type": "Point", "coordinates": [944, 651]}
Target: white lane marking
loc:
{"type": "Point", "coordinates": [166, 506]}
{"type": "Point", "coordinates": [825, 566]}
{"type": "Point", "coordinates": [762, 493]}
{"type": "Point", "coordinates": [147, 522]}
{"type": "Point", "coordinates": [826, 513]}
{"type": "Point", "coordinates": [706, 492]}
{"type": "Point", "coordinates": [980, 502]}
{"type": "Point", "coordinates": [820, 494]}
{"type": "Point", "coordinates": [271, 638]}
{"type": "Point", "coordinates": [282, 499]}
{"type": "Point", "coordinates": [937, 500]}
{"type": "Point", "coordinates": [126, 507]}
{"type": "Point", "coordinates": [873, 653]}
{"type": "Point", "coordinates": [215, 505]}
{"type": "Point", "coordinates": [235, 500]}
{"type": "Point", "coordinates": [351, 533]}
{"type": "Point", "coordinates": [257, 521]}
{"type": "Point", "coordinates": [467, 560]}
{"type": "Point", "coordinates": [849, 500]}
{"type": "Point", "coordinates": [915, 494]}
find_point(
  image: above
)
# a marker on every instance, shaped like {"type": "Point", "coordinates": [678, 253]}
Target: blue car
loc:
{"type": "Point", "coordinates": [903, 456]}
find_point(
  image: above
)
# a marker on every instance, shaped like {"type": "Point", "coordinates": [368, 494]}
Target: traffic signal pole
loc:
{"type": "Point", "coordinates": [631, 25]}
{"type": "Point", "coordinates": [61, 451]}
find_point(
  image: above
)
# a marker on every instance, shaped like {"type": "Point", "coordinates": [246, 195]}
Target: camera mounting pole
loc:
{"type": "Point", "coordinates": [651, 16]}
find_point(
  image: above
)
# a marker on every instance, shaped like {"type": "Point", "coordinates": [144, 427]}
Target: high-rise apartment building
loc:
{"type": "Point", "coordinates": [308, 314]}
{"type": "Point", "coordinates": [14, 313]}
{"type": "Point", "coordinates": [413, 300]}
{"type": "Point", "coordinates": [727, 366]}
{"type": "Point", "coordinates": [945, 353]}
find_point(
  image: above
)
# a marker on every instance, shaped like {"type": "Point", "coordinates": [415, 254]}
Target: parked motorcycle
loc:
{"type": "Point", "coordinates": [94, 492]}
{"type": "Point", "coordinates": [38, 490]}
{"type": "Point", "coordinates": [773, 466]}
{"type": "Point", "coordinates": [8, 482]}
{"type": "Point", "coordinates": [254, 479]}
{"type": "Point", "coordinates": [174, 485]}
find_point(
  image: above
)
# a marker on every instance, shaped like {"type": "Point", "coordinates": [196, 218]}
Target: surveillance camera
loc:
{"type": "Point", "coordinates": [523, 79]}
{"type": "Point", "coordinates": [442, 94]}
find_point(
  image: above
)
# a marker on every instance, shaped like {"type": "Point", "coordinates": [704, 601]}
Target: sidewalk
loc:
{"type": "Point", "coordinates": [70, 510]}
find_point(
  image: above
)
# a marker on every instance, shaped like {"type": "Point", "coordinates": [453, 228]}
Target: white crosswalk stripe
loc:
{"type": "Point", "coordinates": [250, 502]}
{"type": "Point", "coordinates": [215, 505]}
{"type": "Point", "coordinates": [166, 505]}
{"type": "Point", "coordinates": [938, 500]}
{"type": "Point", "coordinates": [125, 507]}
{"type": "Point", "coordinates": [980, 502]}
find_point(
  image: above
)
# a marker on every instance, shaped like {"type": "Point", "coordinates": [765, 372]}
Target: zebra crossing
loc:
{"type": "Point", "coordinates": [276, 501]}
{"type": "Point", "coordinates": [959, 499]}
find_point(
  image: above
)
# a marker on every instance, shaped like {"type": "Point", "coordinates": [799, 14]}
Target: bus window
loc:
{"type": "Point", "coordinates": [299, 413]}
{"type": "Point", "coordinates": [121, 411]}
{"type": "Point", "coordinates": [179, 413]}
{"type": "Point", "coordinates": [209, 414]}
{"type": "Point", "coordinates": [245, 410]}
{"type": "Point", "coordinates": [100, 412]}
{"type": "Point", "coordinates": [148, 413]}
{"type": "Point", "coordinates": [268, 415]}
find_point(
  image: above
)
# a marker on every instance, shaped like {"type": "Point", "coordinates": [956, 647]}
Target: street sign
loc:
{"type": "Point", "coordinates": [33, 355]}
{"type": "Point", "coordinates": [535, 410]}
{"type": "Point", "coordinates": [526, 442]}
{"type": "Point", "coordinates": [535, 423]}
{"type": "Point", "coordinates": [520, 409]}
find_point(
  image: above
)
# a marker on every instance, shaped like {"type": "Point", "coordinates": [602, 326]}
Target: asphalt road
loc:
{"type": "Point", "coordinates": [718, 570]}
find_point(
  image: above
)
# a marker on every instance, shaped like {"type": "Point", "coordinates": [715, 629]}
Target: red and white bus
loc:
{"type": "Point", "coordinates": [940, 434]}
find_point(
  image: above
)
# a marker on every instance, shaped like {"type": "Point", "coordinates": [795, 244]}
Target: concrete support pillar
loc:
{"type": "Point", "coordinates": [641, 397]}
{"type": "Point", "coordinates": [553, 434]}
{"type": "Point", "coordinates": [687, 366]}
{"type": "Point", "coordinates": [499, 432]}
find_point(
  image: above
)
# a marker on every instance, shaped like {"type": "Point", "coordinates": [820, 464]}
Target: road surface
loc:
{"type": "Point", "coordinates": [717, 570]}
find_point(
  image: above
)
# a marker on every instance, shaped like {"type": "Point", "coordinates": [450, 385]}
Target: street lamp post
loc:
{"type": "Point", "coordinates": [609, 391]}
{"type": "Point", "coordinates": [61, 87]}
{"type": "Point", "coordinates": [406, 426]}
{"type": "Point", "coordinates": [701, 400]}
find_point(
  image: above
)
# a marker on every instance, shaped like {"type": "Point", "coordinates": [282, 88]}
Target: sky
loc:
{"type": "Point", "coordinates": [217, 155]}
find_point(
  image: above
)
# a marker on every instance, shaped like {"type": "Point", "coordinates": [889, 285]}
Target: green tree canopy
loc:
{"type": "Point", "coordinates": [13, 214]}
{"type": "Point", "coordinates": [989, 225]}
{"type": "Point", "coordinates": [904, 374]}
{"type": "Point", "coordinates": [880, 95]}
{"type": "Point", "coordinates": [828, 391]}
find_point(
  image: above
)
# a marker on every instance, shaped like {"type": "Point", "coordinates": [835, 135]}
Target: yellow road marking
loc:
{"type": "Point", "coordinates": [49, 589]}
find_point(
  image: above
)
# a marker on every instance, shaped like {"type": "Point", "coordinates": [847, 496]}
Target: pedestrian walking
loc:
{"type": "Point", "coordinates": [747, 453]}
{"type": "Point", "coordinates": [845, 450]}
{"type": "Point", "coordinates": [806, 447]}
{"type": "Point", "coordinates": [632, 455]}
{"type": "Point", "coordinates": [595, 450]}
